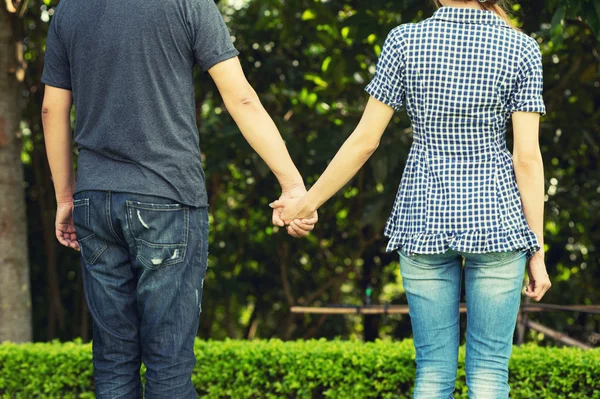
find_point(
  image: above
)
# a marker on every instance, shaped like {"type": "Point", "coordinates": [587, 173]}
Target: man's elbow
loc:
{"type": "Point", "coordinates": [46, 110]}
{"type": "Point", "coordinates": [50, 110]}
{"type": "Point", "coordinates": [247, 98]}
{"type": "Point", "coordinates": [242, 99]}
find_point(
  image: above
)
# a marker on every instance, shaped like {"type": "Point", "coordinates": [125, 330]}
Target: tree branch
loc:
{"type": "Point", "coordinates": [284, 258]}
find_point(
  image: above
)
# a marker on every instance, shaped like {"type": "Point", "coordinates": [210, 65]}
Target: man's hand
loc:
{"type": "Point", "coordinates": [539, 281]}
{"type": "Point", "coordinates": [296, 228]}
{"type": "Point", "coordinates": [65, 229]}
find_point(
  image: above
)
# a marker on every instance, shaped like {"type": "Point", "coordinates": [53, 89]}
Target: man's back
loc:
{"type": "Point", "coordinates": [129, 64]}
{"type": "Point", "coordinates": [138, 214]}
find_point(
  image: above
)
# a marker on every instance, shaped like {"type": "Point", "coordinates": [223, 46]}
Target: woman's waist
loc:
{"type": "Point", "coordinates": [458, 150]}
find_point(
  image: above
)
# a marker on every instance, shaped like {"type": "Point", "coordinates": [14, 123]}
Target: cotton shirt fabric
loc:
{"type": "Point", "coordinates": [460, 75]}
{"type": "Point", "coordinates": [129, 64]}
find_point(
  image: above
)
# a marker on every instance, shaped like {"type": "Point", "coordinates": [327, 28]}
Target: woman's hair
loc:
{"type": "Point", "coordinates": [500, 7]}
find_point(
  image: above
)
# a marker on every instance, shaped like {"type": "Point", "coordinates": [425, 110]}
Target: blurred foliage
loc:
{"type": "Point", "coordinates": [310, 61]}
{"type": "Point", "coordinates": [302, 369]}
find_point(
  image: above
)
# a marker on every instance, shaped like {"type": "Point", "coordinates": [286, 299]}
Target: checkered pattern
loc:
{"type": "Point", "coordinates": [460, 74]}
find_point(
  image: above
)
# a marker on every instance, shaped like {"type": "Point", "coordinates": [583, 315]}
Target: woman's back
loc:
{"type": "Point", "coordinates": [460, 74]}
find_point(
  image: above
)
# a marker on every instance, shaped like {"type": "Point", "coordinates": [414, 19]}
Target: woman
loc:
{"type": "Point", "coordinates": [461, 74]}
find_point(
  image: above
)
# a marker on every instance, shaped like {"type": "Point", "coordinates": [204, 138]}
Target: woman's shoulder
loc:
{"type": "Point", "coordinates": [521, 40]}
{"type": "Point", "coordinates": [403, 29]}
{"type": "Point", "coordinates": [398, 35]}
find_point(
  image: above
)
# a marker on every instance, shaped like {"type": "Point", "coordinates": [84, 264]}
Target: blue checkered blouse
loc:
{"type": "Point", "coordinates": [460, 74]}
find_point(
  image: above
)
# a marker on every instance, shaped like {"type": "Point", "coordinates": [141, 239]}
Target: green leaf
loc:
{"type": "Point", "coordinates": [307, 15]}
{"type": "Point", "coordinates": [326, 63]}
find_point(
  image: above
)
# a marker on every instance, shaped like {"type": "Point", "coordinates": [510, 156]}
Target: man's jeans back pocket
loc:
{"type": "Point", "coordinates": [160, 232]}
{"type": "Point", "coordinates": [90, 244]}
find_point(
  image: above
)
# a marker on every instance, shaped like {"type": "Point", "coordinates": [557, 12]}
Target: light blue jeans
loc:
{"type": "Point", "coordinates": [493, 283]}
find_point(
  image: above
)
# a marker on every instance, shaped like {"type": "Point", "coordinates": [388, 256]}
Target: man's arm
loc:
{"type": "Point", "coordinates": [56, 109]}
{"type": "Point", "coordinates": [254, 122]}
{"type": "Point", "coordinates": [259, 130]}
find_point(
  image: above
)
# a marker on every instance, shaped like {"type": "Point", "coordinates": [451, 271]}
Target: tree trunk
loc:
{"type": "Point", "coordinates": [15, 297]}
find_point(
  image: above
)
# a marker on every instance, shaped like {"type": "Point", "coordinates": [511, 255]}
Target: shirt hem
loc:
{"type": "Point", "coordinates": [476, 241]}
{"type": "Point", "coordinates": [220, 58]}
{"type": "Point", "coordinates": [381, 98]}
{"type": "Point", "coordinates": [57, 85]}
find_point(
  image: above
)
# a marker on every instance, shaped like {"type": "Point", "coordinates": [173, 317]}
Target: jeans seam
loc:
{"type": "Point", "coordinates": [109, 219]}
{"type": "Point", "coordinates": [186, 224]}
{"type": "Point", "coordinates": [87, 213]}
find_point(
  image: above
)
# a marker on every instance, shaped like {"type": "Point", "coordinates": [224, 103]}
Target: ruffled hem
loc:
{"type": "Point", "coordinates": [467, 241]}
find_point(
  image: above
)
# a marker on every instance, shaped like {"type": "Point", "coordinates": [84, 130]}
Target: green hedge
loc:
{"type": "Point", "coordinates": [304, 369]}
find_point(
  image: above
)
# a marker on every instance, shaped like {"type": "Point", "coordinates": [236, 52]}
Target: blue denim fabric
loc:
{"type": "Point", "coordinates": [144, 260]}
{"type": "Point", "coordinates": [493, 283]}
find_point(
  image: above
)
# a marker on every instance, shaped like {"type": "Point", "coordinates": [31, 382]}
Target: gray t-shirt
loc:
{"type": "Point", "coordinates": [130, 66]}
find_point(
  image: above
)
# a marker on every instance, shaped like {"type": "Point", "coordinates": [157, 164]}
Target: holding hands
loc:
{"type": "Point", "coordinates": [296, 208]}
{"type": "Point", "coordinates": [289, 211]}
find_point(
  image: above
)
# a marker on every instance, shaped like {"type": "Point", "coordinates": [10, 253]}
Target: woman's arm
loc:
{"type": "Point", "coordinates": [357, 149]}
{"type": "Point", "coordinates": [529, 171]}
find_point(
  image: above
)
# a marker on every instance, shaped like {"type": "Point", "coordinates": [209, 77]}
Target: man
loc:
{"type": "Point", "coordinates": [138, 212]}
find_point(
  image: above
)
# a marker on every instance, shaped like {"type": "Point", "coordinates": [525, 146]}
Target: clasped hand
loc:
{"type": "Point", "coordinates": [292, 211]}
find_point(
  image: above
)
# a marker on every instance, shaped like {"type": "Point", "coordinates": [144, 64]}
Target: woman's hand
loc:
{"type": "Point", "coordinates": [539, 281]}
{"type": "Point", "coordinates": [296, 215]}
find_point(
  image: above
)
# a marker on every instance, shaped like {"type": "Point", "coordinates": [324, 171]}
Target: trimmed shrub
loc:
{"type": "Point", "coordinates": [46, 370]}
{"type": "Point", "coordinates": [302, 369]}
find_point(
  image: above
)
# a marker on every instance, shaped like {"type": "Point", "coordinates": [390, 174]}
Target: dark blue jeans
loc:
{"type": "Point", "coordinates": [143, 262]}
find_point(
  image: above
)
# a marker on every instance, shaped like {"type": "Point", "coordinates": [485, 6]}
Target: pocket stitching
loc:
{"type": "Point", "coordinates": [91, 259]}
{"type": "Point", "coordinates": [185, 211]}
{"type": "Point", "coordinates": [148, 263]}
{"type": "Point", "coordinates": [154, 245]}
{"type": "Point", "coordinates": [155, 207]}
{"type": "Point", "coordinates": [413, 256]}
{"type": "Point", "coordinates": [504, 255]}
{"type": "Point", "coordinates": [86, 203]}
{"type": "Point", "coordinates": [158, 207]}
{"type": "Point", "coordinates": [96, 254]}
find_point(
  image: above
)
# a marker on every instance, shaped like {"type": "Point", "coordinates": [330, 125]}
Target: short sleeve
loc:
{"type": "Point", "coordinates": [388, 84]}
{"type": "Point", "coordinates": [529, 87]}
{"type": "Point", "coordinates": [57, 69]}
{"type": "Point", "coordinates": [212, 41]}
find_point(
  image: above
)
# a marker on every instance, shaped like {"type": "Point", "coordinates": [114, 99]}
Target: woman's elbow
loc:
{"type": "Point", "coordinates": [372, 147]}
{"type": "Point", "coordinates": [527, 161]}
{"type": "Point", "coordinates": [368, 148]}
